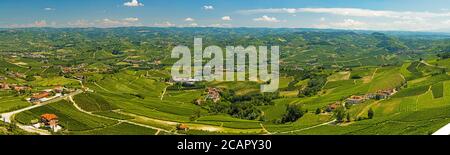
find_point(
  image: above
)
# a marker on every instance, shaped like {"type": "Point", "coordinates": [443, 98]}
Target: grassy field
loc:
{"type": "Point", "coordinates": [56, 81]}
{"type": "Point", "coordinates": [69, 117]}
{"type": "Point", "coordinates": [93, 102]}
{"type": "Point", "coordinates": [339, 76]}
{"type": "Point", "coordinates": [10, 102]}
{"type": "Point", "coordinates": [118, 129]}
{"type": "Point", "coordinates": [438, 90]}
{"type": "Point", "coordinates": [141, 97]}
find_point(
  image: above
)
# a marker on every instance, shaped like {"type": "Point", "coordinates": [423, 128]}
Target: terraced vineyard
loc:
{"type": "Point", "coordinates": [329, 83]}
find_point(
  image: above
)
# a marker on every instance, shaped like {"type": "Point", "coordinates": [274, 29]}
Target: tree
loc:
{"type": "Point", "coordinates": [11, 127]}
{"type": "Point", "coordinates": [370, 113]}
{"type": "Point", "coordinates": [318, 111]}
{"type": "Point", "coordinates": [293, 113]}
{"type": "Point", "coordinates": [340, 114]}
{"type": "Point", "coordinates": [348, 117]}
{"type": "Point", "coordinates": [197, 114]}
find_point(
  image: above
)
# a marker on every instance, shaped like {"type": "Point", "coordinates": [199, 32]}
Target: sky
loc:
{"type": "Point", "coordinates": [403, 15]}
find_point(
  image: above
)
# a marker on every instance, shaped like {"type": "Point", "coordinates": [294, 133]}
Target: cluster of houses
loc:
{"type": "Point", "coordinates": [48, 94]}
{"type": "Point", "coordinates": [16, 75]}
{"type": "Point", "coordinates": [182, 127]}
{"type": "Point", "coordinates": [381, 94]}
{"type": "Point", "coordinates": [333, 106]}
{"type": "Point", "coordinates": [356, 99]}
{"type": "Point", "coordinates": [81, 69]}
{"type": "Point", "coordinates": [25, 55]}
{"type": "Point", "coordinates": [213, 94]}
{"type": "Point", "coordinates": [190, 81]}
{"type": "Point", "coordinates": [49, 121]}
{"type": "Point", "coordinates": [15, 87]}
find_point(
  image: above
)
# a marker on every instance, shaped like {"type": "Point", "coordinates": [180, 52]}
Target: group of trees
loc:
{"type": "Point", "coordinates": [186, 86]}
{"type": "Point", "coordinates": [241, 106]}
{"type": "Point", "coordinates": [342, 115]}
{"type": "Point", "coordinates": [315, 84]}
{"type": "Point", "coordinates": [293, 113]}
{"type": "Point", "coordinates": [444, 55]}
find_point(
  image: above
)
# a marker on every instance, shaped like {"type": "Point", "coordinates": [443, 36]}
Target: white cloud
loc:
{"type": "Point", "coordinates": [266, 18]}
{"type": "Point", "coordinates": [131, 19]}
{"type": "Point", "coordinates": [106, 22]}
{"type": "Point", "coordinates": [355, 12]}
{"type": "Point", "coordinates": [133, 3]}
{"type": "Point", "coordinates": [40, 23]}
{"type": "Point", "coordinates": [351, 24]}
{"type": "Point", "coordinates": [220, 25]}
{"type": "Point", "coordinates": [80, 23]}
{"type": "Point", "coordinates": [208, 7]}
{"type": "Point", "coordinates": [164, 24]}
{"type": "Point", "coordinates": [270, 10]}
{"type": "Point", "coordinates": [194, 24]}
{"type": "Point", "coordinates": [189, 19]}
{"type": "Point", "coordinates": [226, 18]}
{"type": "Point", "coordinates": [322, 19]}
{"type": "Point", "coordinates": [345, 24]}
{"type": "Point", "coordinates": [49, 9]}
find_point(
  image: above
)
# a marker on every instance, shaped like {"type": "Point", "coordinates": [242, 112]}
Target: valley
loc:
{"type": "Point", "coordinates": [118, 82]}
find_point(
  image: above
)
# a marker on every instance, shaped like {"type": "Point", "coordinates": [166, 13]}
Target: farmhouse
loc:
{"type": "Point", "coordinates": [16, 75]}
{"type": "Point", "coordinates": [382, 94]}
{"type": "Point", "coordinates": [182, 127]}
{"type": "Point", "coordinates": [40, 97]}
{"type": "Point", "coordinates": [190, 81]}
{"type": "Point", "coordinates": [50, 121]}
{"type": "Point", "coordinates": [4, 86]}
{"type": "Point", "coordinates": [333, 106]}
{"type": "Point", "coordinates": [58, 89]}
{"type": "Point", "coordinates": [21, 88]}
{"type": "Point", "coordinates": [355, 99]}
{"type": "Point", "coordinates": [213, 94]}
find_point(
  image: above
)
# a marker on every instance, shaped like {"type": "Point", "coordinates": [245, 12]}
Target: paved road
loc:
{"type": "Point", "coordinates": [8, 117]}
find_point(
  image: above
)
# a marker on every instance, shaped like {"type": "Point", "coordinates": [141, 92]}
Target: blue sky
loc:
{"type": "Point", "coordinates": [406, 15]}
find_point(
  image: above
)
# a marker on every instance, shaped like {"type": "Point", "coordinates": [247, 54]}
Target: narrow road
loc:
{"type": "Point", "coordinates": [292, 131]}
{"type": "Point", "coordinates": [119, 120]}
{"type": "Point", "coordinates": [102, 88]}
{"type": "Point", "coordinates": [374, 72]}
{"type": "Point", "coordinates": [8, 117]}
{"type": "Point", "coordinates": [164, 92]}
{"type": "Point", "coordinates": [426, 63]}
{"type": "Point", "coordinates": [264, 129]}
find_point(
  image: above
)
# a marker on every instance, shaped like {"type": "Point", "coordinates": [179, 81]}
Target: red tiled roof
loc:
{"type": "Point", "coordinates": [41, 95]}
{"type": "Point", "coordinates": [49, 116]}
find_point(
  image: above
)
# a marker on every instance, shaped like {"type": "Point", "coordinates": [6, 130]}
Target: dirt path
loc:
{"type": "Point", "coordinates": [102, 88]}
{"type": "Point", "coordinates": [119, 120]}
{"type": "Point", "coordinates": [417, 99]}
{"type": "Point", "coordinates": [374, 72]}
{"type": "Point", "coordinates": [426, 63]}
{"type": "Point", "coordinates": [366, 108]}
{"type": "Point", "coordinates": [264, 129]}
{"type": "Point", "coordinates": [292, 131]}
{"type": "Point", "coordinates": [32, 129]}
{"type": "Point", "coordinates": [164, 92]}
